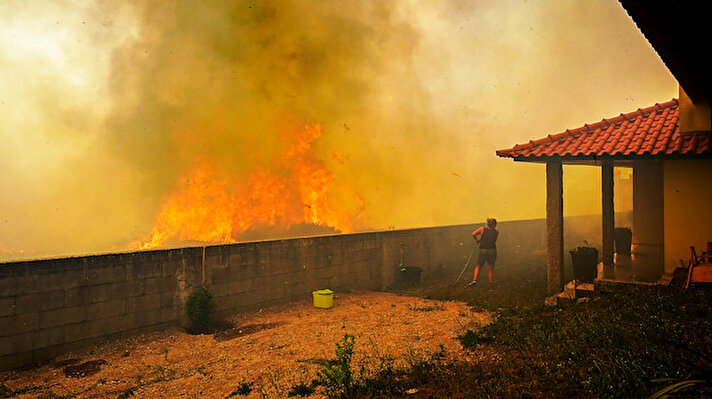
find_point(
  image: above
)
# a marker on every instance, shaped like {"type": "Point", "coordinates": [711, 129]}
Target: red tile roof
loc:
{"type": "Point", "coordinates": [648, 131]}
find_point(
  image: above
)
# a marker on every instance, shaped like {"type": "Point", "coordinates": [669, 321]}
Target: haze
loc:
{"type": "Point", "coordinates": [106, 106]}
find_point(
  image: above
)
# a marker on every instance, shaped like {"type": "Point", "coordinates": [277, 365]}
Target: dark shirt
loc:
{"type": "Point", "coordinates": [488, 239]}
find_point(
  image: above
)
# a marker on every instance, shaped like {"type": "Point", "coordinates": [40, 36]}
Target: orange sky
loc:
{"type": "Point", "coordinates": [106, 106]}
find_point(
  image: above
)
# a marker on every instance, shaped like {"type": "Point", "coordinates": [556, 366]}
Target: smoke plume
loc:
{"type": "Point", "coordinates": [110, 110]}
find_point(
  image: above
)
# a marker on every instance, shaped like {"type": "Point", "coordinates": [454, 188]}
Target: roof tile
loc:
{"type": "Point", "coordinates": [653, 130]}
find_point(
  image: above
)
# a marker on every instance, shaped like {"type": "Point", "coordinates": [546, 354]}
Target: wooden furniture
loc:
{"type": "Point", "coordinates": [700, 267]}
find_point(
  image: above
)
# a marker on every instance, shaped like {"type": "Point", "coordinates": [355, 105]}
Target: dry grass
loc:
{"type": "Point", "coordinates": [273, 349]}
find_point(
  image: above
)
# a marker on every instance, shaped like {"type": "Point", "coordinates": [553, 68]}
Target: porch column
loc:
{"type": "Point", "coordinates": [607, 212]}
{"type": "Point", "coordinates": [554, 226]}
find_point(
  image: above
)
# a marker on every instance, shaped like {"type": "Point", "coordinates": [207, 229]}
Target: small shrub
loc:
{"type": "Point", "coordinates": [200, 308]}
{"type": "Point", "coordinates": [470, 339]}
{"type": "Point", "coordinates": [337, 377]}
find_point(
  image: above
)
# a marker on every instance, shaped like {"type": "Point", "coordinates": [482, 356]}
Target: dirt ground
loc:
{"type": "Point", "coordinates": [269, 350]}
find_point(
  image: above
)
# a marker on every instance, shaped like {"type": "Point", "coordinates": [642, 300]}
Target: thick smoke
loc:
{"type": "Point", "coordinates": [109, 105]}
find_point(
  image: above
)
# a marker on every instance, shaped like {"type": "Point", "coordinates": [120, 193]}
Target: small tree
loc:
{"type": "Point", "coordinates": [200, 308]}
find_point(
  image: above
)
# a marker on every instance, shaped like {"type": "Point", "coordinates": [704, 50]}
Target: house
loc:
{"type": "Point", "coordinates": [667, 145]}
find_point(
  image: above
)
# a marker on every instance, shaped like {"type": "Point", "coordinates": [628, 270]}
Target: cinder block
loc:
{"type": "Point", "coordinates": [216, 262]}
{"type": "Point", "coordinates": [168, 299]}
{"type": "Point", "coordinates": [248, 255]}
{"type": "Point", "coordinates": [251, 299]}
{"type": "Point", "coordinates": [220, 275]}
{"type": "Point", "coordinates": [219, 290]}
{"type": "Point", "coordinates": [7, 306]}
{"type": "Point", "coordinates": [62, 279]}
{"type": "Point", "coordinates": [224, 303]}
{"type": "Point", "coordinates": [98, 293]}
{"type": "Point", "coordinates": [146, 329]}
{"type": "Point", "coordinates": [123, 289]}
{"type": "Point", "coordinates": [10, 325]}
{"type": "Point", "coordinates": [104, 275]}
{"type": "Point", "coordinates": [146, 270]}
{"type": "Point", "coordinates": [151, 317]}
{"type": "Point", "coordinates": [76, 296]}
{"type": "Point", "coordinates": [238, 287]}
{"type": "Point", "coordinates": [160, 284]}
{"type": "Point", "coordinates": [169, 268]}
{"type": "Point", "coordinates": [136, 287]}
{"type": "Point", "coordinates": [50, 352]}
{"type": "Point", "coordinates": [16, 343]}
{"type": "Point", "coordinates": [96, 328]}
{"type": "Point", "coordinates": [144, 302]}
{"type": "Point", "coordinates": [8, 362]}
{"type": "Point", "coordinates": [60, 317]}
{"type": "Point", "coordinates": [103, 310]}
{"type": "Point", "coordinates": [298, 289]}
{"type": "Point", "coordinates": [247, 272]}
{"type": "Point", "coordinates": [39, 301]}
{"type": "Point", "coordinates": [48, 337]}
{"type": "Point", "coordinates": [263, 255]}
{"type": "Point", "coordinates": [234, 260]}
{"type": "Point", "coordinates": [16, 285]}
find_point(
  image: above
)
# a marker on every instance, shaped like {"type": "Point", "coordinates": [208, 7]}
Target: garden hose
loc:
{"type": "Point", "coordinates": [466, 263]}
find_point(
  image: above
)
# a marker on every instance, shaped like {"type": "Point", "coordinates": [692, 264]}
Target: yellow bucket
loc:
{"type": "Point", "coordinates": [323, 298]}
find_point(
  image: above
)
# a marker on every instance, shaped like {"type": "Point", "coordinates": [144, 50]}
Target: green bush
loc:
{"type": "Point", "coordinates": [337, 377]}
{"type": "Point", "coordinates": [200, 308]}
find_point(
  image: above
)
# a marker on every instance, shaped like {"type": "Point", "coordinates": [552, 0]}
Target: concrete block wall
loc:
{"type": "Point", "coordinates": [48, 307]}
{"type": "Point", "coordinates": [51, 306]}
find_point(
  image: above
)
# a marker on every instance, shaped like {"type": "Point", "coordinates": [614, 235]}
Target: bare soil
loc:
{"type": "Point", "coordinates": [269, 351]}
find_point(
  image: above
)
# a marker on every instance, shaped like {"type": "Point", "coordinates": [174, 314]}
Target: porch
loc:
{"type": "Point", "coordinates": [639, 140]}
{"type": "Point", "coordinates": [639, 266]}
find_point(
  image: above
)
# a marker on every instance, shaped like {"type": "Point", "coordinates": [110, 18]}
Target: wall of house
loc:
{"type": "Point", "coordinates": [51, 306]}
{"type": "Point", "coordinates": [648, 219]}
{"type": "Point", "coordinates": [694, 117]}
{"type": "Point", "coordinates": [688, 209]}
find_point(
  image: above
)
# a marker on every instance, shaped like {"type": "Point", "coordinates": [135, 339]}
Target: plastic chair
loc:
{"type": "Point", "coordinates": [700, 267]}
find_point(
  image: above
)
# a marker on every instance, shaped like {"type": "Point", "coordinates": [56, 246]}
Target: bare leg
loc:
{"type": "Point", "coordinates": [477, 272]}
{"type": "Point", "coordinates": [490, 273]}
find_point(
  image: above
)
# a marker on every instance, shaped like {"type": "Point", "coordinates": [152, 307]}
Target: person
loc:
{"type": "Point", "coordinates": [486, 237]}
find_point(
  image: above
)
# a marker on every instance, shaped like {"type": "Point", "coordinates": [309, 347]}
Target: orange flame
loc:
{"type": "Point", "coordinates": [209, 207]}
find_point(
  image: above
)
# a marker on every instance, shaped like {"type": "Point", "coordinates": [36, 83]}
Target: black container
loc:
{"type": "Point", "coordinates": [585, 263]}
{"type": "Point", "coordinates": [409, 276]}
{"type": "Point", "coordinates": [622, 236]}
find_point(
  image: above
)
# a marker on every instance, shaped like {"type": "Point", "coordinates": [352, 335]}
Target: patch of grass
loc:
{"type": "Point", "coordinates": [631, 343]}
{"type": "Point", "coordinates": [518, 283]}
{"type": "Point", "coordinates": [615, 346]}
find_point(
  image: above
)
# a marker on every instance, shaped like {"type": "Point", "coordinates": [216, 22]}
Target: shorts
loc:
{"type": "Point", "coordinates": [487, 256]}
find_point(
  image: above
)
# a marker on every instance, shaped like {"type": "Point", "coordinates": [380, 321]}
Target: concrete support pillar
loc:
{"type": "Point", "coordinates": [648, 209]}
{"type": "Point", "coordinates": [554, 226]}
{"type": "Point", "coordinates": [607, 212]}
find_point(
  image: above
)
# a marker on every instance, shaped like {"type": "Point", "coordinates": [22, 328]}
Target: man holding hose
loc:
{"type": "Point", "coordinates": [486, 237]}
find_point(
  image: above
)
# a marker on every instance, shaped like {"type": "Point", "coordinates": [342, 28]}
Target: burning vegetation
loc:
{"type": "Point", "coordinates": [210, 206]}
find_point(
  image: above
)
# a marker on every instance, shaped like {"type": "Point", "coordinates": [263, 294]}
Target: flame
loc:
{"type": "Point", "coordinates": [209, 206]}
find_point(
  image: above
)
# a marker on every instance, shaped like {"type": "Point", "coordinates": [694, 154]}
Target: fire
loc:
{"type": "Point", "coordinates": [210, 206]}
